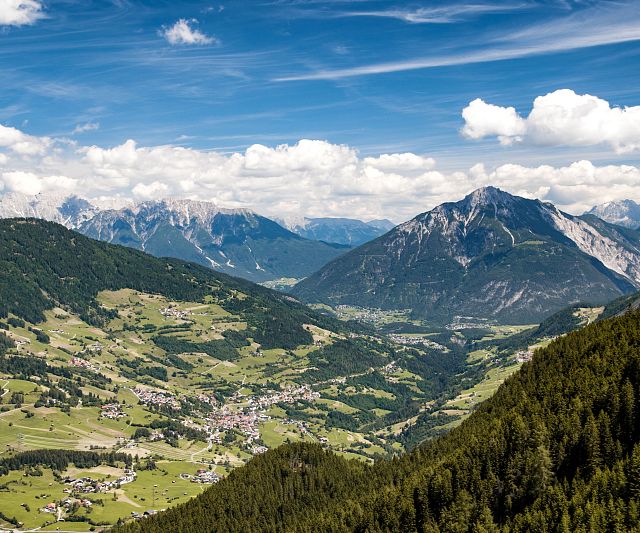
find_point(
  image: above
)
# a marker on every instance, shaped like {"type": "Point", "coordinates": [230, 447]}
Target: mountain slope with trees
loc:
{"type": "Point", "coordinates": [556, 449]}
{"type": "Point", "coordinates": [238, 242]}
{"type": "Point", "coordinates": [235, 241]}
{"type": "Point", "coordinates": [44, 265]}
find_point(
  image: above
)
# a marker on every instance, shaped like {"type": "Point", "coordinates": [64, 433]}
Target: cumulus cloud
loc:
{"type": "Point", "coordinates": [560, 118]}
{"type": "Point", "coordinates": [20, 12]}
{"type": "Point", "coordinates": [310, 177]}
{"type": "Point", "coordinates": [22, 182]}
{"type": "Point", "coordinates": [31, 184]}
{"type": "Point", "coordinates": [488, 120]}
{"type": "Point", "coordinates": [183, 32]}
{"type": "Point", "coordinates": [153, 191]}
{"type": "Point", "coordinates": [400, 163]}
{"type": "Point", "coordinates": [22, 143]}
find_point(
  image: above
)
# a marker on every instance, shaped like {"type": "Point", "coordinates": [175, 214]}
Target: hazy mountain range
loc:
{"type": "Point", "coordinates": [236, 241]}
{"type": "Point", "coordinates": [491, 255]}
{"type": "Point", "coordinates": [624, 213]}
{"type": "Point", "coordinates": [339, 230]}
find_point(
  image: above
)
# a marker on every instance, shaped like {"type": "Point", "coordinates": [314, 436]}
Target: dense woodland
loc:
{"type": "Point", "coordinates": [556, 449]}
{"type": "Point", "coordinates": [43, 265]}
{"type": "Point", "coordinates": [60, 460]}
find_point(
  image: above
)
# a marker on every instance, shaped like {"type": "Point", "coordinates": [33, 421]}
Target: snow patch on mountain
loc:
{"type": "Point", "coordinates": [623, 213]}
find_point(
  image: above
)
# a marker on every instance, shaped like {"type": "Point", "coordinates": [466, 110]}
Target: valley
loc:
{"type": "Point", "coordinates": [130, 384]}
{"type": "Point", "coordinates": [187, 419]}
{"type": "Point", "coordinates": [305, 266]}
{"type": "Point", "coordinates": [114, 388]}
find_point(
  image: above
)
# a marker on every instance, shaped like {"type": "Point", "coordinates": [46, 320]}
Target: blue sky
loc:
{"type": "Point", "coordinates": [380, 77]}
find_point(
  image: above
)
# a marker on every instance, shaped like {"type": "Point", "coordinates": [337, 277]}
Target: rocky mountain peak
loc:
{"type": "Point", "coordinates": [623, 213]}
{"type": "Point", "coordinates": [183, 212]}
{"type": "Point", "coordinates": [485, 196]}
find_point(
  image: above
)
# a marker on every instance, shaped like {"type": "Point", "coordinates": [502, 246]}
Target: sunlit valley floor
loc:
{"type": "Point", "coordinates": [183, 389]}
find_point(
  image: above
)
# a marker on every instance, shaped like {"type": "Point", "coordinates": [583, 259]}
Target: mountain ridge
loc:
{"type": "Point", "coordinates": [236, 241]}
{"type": "Point", "coordinates": [491, 255]}
{"type": "Point", "coordinates": [624, 213]}
{"type": "Point", "coordinates": [339, 230]}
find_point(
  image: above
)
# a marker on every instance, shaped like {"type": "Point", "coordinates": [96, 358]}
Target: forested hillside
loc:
{"type": "Point", "coordinates": [43, 265]}
{"type": "Point", "coordinates": [556, 449]}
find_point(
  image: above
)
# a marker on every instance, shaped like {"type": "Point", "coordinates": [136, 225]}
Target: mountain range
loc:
{"type": "Point", "coordinates": [236, 241]}
{"type": "Point", "coordinates": [623, 213]}
{"type": "Point", "coordinates": [345, 231]}
{"type": "Point", "coordinates": [489, 256]}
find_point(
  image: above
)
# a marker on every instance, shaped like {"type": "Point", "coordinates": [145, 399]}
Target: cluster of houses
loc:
{"type": "Point", "coordinates": [87, 485]}
{"type": "Point", "coordinates": [147, 396]}
{"type": "Point", "coordinates": [83, 363]}
{"type": "Point", "coordinates": [202, 476]}
{"type": "Point", "coordinates": [524, 355]}
{"type": "Point", "coordinates": [96, 347]}
{"type": "Point", "coordinates": [257, 450]}
{"type": "Point", "coordinates": [245, 421]}
{"type": "Point", "coordinates": [65, 505]}
{"type": "Point", "coordinates": [467, 322]}
{"type": "Point", "coordinates": [112, 411]}
{"type": "Point", "coordinates": [301, 425]}
{"type": "Point", "coordinates": [21, 341]}
{"type": "Point", "coordinates": [288, 395]}
{"type": "Point", "coordinates": [415, 341]}
{"type": "Point", "coordinates": [207, 398]}
{"type": "Point", "coordinates": [174, 312]}
{"type": "Point", "coordinates": [360, 313]}
{"type": "Point", "coordinates": [391, 368]}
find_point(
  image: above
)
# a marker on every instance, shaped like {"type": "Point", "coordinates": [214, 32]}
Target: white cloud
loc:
{"type": "Point", "coordinates": [153, 191]}
{"type": "Point", "coordinates": [560, 118]}
{"type": "Point", "coordinates": [182, 32]}
{"type": "Point", "coordinates": [400, 163]}
{"type": "Point", "coordinates": [311, 177]}
{"type": "Point", "coordinates": [22, 143]}
{"type": "Point", "coordinates": [87, 126]}
{"type": "Point", "coordinates": [20, 12]}
{"type": "Point", "coordinates": [485, 120]}
{"type": "Point", "coordinates": [22, 182]}
{"type": "Point", "coordinates": [575, 187]}
{"type": "Point", "coordinates": [30, 184]}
